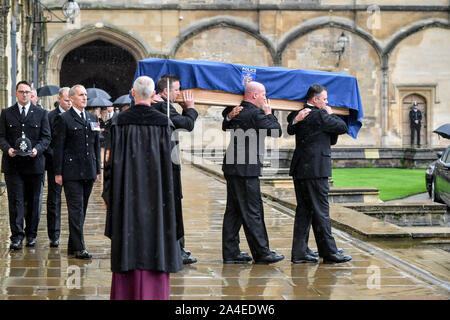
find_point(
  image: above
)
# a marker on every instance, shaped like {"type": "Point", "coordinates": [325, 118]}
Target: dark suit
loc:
{"type": "Point", "coordinates": [53, 189]}
{"type": "Point", "coordinates": [242, 167]}
{"type": "Point", "coordinates": [415, 127]}
{"type": "Point", "coordinates": [23, 175]}
{"type": "Point", "coordinates": [77, 159]}
{"type": "Point", "coordinates": [310, 169]}
{"type": "Point", "coordinates": [186, 121]}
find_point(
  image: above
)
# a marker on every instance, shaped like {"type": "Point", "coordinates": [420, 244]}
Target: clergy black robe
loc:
{"type": "Point", "coordinates": [141, 221]}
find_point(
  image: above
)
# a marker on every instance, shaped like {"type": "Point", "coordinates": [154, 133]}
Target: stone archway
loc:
{"type": "Point", "coordinates": [99, 31]}
{"type": "Point", "coordinates": [99, 64]}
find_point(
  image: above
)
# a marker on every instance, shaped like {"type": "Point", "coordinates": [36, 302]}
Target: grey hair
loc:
{"type": "Point", "coordinates": [72, 90]}
{"type": "Point", "coordinates": [143, 87]}
{"type": "Point", "coordinates": [62, 90]}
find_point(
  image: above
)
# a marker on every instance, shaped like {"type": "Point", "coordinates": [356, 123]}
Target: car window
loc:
{"type": "Point", "coordinates": [446, 156]}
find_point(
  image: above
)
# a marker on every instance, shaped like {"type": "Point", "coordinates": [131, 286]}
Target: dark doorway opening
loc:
{"type": "Point", "coordinates": [99, 64]}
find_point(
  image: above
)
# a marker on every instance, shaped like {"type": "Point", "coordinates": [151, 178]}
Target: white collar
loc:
{"type": "Point", "coordinates": [27, 107]}
{"type": "Point", "coordinates": [79, 112]}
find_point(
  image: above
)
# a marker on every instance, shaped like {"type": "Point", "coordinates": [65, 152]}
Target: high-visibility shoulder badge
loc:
{"type": "Point", "coordinates": [95, 126]}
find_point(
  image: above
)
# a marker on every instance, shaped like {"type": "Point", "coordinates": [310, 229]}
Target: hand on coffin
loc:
{"type": "Point", "coordinates": [266, 107]}
{"type": "Point", "coordinates": [157, 98]}
{"type": "Point", "coordinates": [328, 109]}
{"type": "Point", "coordinates": [236, 110]}
{"type": "Point", "coordinates": [188, 98]}
{"type": "Point", "coordinates": [302, 114]}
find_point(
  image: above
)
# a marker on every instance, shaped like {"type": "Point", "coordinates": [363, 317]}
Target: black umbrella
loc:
{"type": "Point", "coordinates": [99, 102]}
{"type": "Point", "coordinates": [443, 131]}
{"type": "Point", "coordinates": [97, 93]}
{"type": "Point", "coordinates": [48, 90]}
{"type": "Point", "coordinates": [125, 99]}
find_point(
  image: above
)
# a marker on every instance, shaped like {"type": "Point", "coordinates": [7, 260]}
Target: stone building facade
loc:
{"type": "Point", "coordinates": [397, 49]}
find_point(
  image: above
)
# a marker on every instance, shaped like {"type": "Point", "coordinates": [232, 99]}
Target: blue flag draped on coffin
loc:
{"type": "Point", "coordinates": [280, 83]}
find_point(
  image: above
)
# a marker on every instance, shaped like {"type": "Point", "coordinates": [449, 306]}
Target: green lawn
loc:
{"type": "Point", "coordinates": [392, 183]}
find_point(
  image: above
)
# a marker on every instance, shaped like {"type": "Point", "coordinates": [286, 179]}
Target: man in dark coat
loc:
{"type": "Point", "coordinates": [242, 167]}
{"type": "Point", "coordinates": [184, 121]}
{"type": "Point", "coordinates": [76, 163]}
{"type": "Point", "coordinates": [315, 131]}
{"type": "Point", "coordinates": [24, 174]}
{"type": "Point", "coordinates": [54, 189]}
{"type": "Point", "coordinates": [415, 119]}
{"type": "Point", "coordinates": [141, 221]}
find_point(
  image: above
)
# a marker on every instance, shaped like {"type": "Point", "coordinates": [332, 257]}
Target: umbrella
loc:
{"type": "Point", "coordinates": [125, 99]}
{"type": "Point", "coordinates": [99, 102]}
{"type": "Point", "coordinates": [48, 90]}
{"type": "Point", "coordinates": [97, 93]}
{"type": "Point", "coordinates": [443, 131]}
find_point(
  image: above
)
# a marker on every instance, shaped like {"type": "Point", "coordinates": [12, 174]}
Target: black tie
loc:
{"type": "Point", "coordinates": [82, 116]}
{"type": "Point", "coordinates": [22, 114]}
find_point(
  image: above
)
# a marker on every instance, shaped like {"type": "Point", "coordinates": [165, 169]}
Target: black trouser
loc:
{"type": "Point", "coordinates": [53, 206]}
{"type": "Point", "coordinates": [312, 208]}
{"type": "Point", "coordinates": [415, 128]}
{"type": "Point", "coordinates": [77, 195]}
{"type": "Point", "coordinates": [244, 207]}
{"type": "Point", "coordinates": [23, 188]}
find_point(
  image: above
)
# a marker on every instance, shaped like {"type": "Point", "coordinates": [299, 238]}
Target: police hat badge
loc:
{"type": "Point", "coordinates": [23, 146]}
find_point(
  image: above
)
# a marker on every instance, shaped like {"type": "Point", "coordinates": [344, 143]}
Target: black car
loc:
{"type": "Point", "coordinates": [429, 173]}
{"type": "Point", "coordinates": [440, 185]}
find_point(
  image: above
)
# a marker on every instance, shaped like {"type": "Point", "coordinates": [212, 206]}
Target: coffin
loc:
{"type": "Point", "coordinates": [222, 84]}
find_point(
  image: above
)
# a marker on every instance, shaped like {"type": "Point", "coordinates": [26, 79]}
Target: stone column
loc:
{"type": "Point", "coordinates": [4, 72]}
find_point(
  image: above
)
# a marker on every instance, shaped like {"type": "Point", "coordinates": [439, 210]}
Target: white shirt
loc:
{"type": "Point", "coordinates": [27, 107]}
{"type": "Point", "coordinates": [61, 109]}
{"type": "Point", "coordinates": [80, 112]}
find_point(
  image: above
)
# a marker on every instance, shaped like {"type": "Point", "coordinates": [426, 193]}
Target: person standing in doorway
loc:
{"type": "Point", "coordinates": [415, 118]}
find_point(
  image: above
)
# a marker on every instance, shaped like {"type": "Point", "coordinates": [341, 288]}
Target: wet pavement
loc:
{"type": "Point", "coordinates": [376, 272]}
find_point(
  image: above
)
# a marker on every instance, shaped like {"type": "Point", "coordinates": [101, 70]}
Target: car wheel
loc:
{"type": "Point", "coordinates": [434, 196]}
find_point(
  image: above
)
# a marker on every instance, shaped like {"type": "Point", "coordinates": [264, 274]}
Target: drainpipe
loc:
{"type": "Point", "coordinates": [13, 58]}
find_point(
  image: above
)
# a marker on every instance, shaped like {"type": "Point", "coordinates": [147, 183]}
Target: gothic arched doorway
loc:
{"type": "Point", "coordinates": [99, 64]}
{"type": "Point", "coordinates": [408, 102]}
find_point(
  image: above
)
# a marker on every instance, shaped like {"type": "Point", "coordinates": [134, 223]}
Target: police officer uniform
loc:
{"type": "Point", "coordinates": [23, 174]}
{"type": "Point", "coordinates": [77, 159]}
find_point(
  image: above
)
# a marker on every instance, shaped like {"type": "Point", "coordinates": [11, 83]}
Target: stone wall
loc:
{"type": "Point", "coordinates": [387, 45]}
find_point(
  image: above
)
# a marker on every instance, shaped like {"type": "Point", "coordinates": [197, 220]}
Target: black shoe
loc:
{"type": "Point", "coordinates": [270, 258]}
{"type": "Point", "coordinates": [242, 257]}
{"type": "Point", "coordinates": [312, 253]}
{"type": "Point", "coordinates": [185, 252]}
{"type": "Point", "coordinates": [336, 258]}
{"type": "Point", "coordinates": [306, 259]}
{"type": "Point", "coordinates": [189, 260]}
{"type": "Point", "coordinates": [339, 251]}
{"type": "Point", "coordinates": [31, 242]}
{"type": "Point", "coordinates": [83, 254]}
{"type": "Point", "coordinates": [16, 245]}
{"type": "Point", "coordinates": [54, 243]}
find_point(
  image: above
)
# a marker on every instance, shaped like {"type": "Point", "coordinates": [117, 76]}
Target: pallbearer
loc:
{"type": "Point", "coordinates": [242, 167]}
